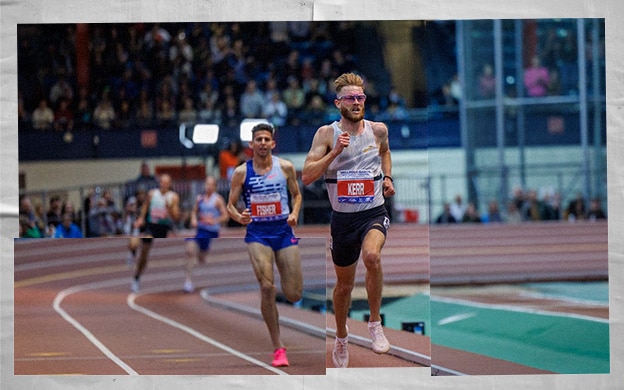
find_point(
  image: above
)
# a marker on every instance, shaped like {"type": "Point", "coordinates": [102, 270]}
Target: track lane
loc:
{"type": "Point", "coordinates": [104, 312]}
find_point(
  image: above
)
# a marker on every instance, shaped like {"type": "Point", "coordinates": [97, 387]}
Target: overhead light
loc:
{"type": "Point", "coordinates": [246, 126]}
{"type": "Point", "coordinates": [205, 134]}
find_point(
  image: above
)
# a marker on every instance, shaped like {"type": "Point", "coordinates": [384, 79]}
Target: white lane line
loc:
{"type": "Point", "coordinates": [130, 301]}
{"type": "Point", "coordinates": [456, 318]}
{"type": "Point", "coordinates": [516, 309]}
{"type": "Point", "coordinates": [202, 337]}
{"type": "Point", "coordinates": [94, 340]}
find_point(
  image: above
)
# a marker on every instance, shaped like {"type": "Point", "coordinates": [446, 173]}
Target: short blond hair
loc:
{"type": "Point", "coordinates": [347, 79]}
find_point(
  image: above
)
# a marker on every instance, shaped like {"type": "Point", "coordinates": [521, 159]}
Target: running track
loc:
{"type": "Point", "coordinates": [480, 305]}
{"type": "Point", "coordinates": [75, 315]}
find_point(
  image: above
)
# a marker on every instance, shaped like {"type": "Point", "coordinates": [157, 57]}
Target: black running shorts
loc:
{"type": "Point", "coordinates": [155, 230]}
{"type": "Point", "coordinates": [349, 229]}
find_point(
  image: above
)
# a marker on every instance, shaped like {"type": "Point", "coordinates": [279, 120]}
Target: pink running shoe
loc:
{"type": "Point", "coordinates": [279, 358]}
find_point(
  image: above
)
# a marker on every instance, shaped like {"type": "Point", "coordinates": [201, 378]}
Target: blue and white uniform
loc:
{"type": "Point", "coordinates": [206, 206]}
{"type": "Point", "coordinates": [267, 198]}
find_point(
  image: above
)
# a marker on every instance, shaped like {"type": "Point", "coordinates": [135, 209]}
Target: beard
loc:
{"type": "Point", "coordinates": [351, 116]}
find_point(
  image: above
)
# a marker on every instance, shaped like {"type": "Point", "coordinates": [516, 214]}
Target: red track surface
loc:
{"type": "Point", "coordinates": [74, 313]}
{"type": "Point", "coordinates": [219, 331]}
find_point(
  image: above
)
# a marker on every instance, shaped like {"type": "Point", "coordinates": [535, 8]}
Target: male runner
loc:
{"type": "Point", "coordinates": [264, 181]}
{"type": "Point", "coordinates": [208, 213]}
{"type": "Point", "coordinates": [354, 156]}
{"type": "Point", "coordinates": [160, 210]}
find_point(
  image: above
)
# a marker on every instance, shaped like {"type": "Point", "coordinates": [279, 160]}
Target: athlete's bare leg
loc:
{"type": "Point", "coordinates": [261, 258]}
{"type": "Point", "coordinates": [192, 250]}
{"type": "Point", "coordinates": [371, 257]}
{"type": "Point", "coordinates": [288, 263]}
{"type": "Point", "coordinates": [142, 261]}
{"type": "Point", "coordinates": [345, 280]}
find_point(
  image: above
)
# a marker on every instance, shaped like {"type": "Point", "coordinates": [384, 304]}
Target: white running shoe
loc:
{"type": "Point", "coordinates": [135, 286]}
{"type": "Point", "coordinates": [380, 342]}
{"type": "Point", "coordinates": [340, 354]}
{"type": "Point", "coordinates": [188, 287]}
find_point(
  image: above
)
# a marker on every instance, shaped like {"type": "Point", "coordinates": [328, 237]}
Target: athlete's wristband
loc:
{"type": "Point", "coordinates": [389, 177]}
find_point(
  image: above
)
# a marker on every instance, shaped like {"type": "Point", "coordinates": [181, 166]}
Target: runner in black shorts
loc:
{"type": "Point", "coordinates": [353, 155]}
{"type": "Point", "coordinates": [159, 211]}
{"type": "Point", "coordinates": [349, 229]}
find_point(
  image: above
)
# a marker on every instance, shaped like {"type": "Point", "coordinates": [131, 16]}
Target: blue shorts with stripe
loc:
{"type": "Point", "coordinates": [275, 234]}
{"type": "Point", "coordinates": [203, 238]}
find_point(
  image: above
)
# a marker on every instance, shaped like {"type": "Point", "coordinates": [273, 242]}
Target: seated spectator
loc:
{"type": "Point", "coordinates": [275, 110]}
{"type": "Point", "coordinates": [165, 114]}
{"type": "Point", "coordinates": [394, 112]}
{"type": "Point", "coordinates": [444, 98]}
{"type": "Point", "coordinates": [455, 89]}
{"type": "Point", "coordinates": [123, 119]}
{"type": "Point", "coordinates": [446, 216]}
{"type": "Point", "coordinates": [294, 97]}
{"type": "Point", "coordinates": [209, 113]}
{"type": "Point", "coordinates": [314, 113]}
{"type": "Point", "coordinates": [208, 92]}
{"type": "Point", "coordinates": [188, 113]}
{"type": "Point", "coordinates": [533, 211]}
{"type": "Point", "coordinates": [61, 89]}
{"type": "Point", "coordinates": [554, 85]}
{"type": "Point", "coordinates": [513, 214]}
{"type": "Point", "coordinates": [42, 116]}
{"type": "Point", "coordinates": [101, 221]}
{"type": "Point", "coordinates": [63, 117]}
{"type": "Point", "coordinates": [518, 197]}
{"type": "Point", "coordinates": [251, 101]}
{"type": "Point", "coordinates": [595, 211]}
{"type": "Point", "coordinates": [548, 211]}
{"type": "Point", "coordinates": [536, 78]}
{"type": "Point", "coordinates": [83, 113]}
{"type": "Point", "coordinates": [576, 209]}
{"type": "Point", "coordinates": [67, 228]}
{"type": "Point", "coordinates": [54, 214]}
{"type": "Point", "coordinates": [27, 219]}
{"type": "Point", "coordinates": [493, 214]}
{"type": "Point", "coordinates": [40, 218]}
{"type": "Point", "coordinates": [314, 88]}
{"type": "Point", "coordinates": [27, 229]}
{"type": "Point", "coordinates": [144, 115]}
{"type": "Point", "coordinates": [487, 82]}
{"type": "Point", "coordinates": [104, 114]}
{"type": "Point", "coordinates": [472, 214]}
{"type": "Point", "coordinates": [458, 208]}
{"type": "Point", "coordinates": [68, 208]}
{"type": "Point", "coordinates": [230, 114]}
{"type": "Point", "coordinates": [270, 88]}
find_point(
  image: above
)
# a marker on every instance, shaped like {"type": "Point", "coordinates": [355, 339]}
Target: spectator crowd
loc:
{"type": "Point", "coordinates": [523, 206]}
{"type": "Point", "coordinates": [144, 75]}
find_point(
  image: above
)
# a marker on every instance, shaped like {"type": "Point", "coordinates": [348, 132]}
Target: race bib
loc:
{"type": "Point", "coordinates": [265, 206]}
{"type": "Point", "coordinates": [356, 186]}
